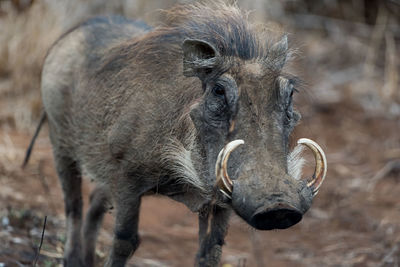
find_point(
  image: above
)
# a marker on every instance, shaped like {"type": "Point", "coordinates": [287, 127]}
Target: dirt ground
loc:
{"type": "Point", "coordinates": [354, 220]}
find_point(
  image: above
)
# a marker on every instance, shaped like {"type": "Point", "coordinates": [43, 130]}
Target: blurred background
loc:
{"type": "Point", "coordinates": [347, 54]}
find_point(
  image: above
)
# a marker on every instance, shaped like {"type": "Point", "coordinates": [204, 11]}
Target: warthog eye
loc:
{"type": "Point", "coordinates": [220, 101]}
{"type": "Point", "coordinates": [289, 104]}
{"type": "Point", "coordinates": [219, 90]}
{"type": "Point", "coordinates": [289, 115]}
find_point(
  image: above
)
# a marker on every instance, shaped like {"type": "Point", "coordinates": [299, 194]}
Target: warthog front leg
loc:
{"type": "Point", "coordinates": [126, 237]}
{"type": "Point", "coordinates": [213, 225]}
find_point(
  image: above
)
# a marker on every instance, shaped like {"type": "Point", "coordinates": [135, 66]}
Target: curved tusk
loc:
{"type": "Point", "coordinates": [320, 164]}
{"type": "Point", "coordinates": [223, 182]}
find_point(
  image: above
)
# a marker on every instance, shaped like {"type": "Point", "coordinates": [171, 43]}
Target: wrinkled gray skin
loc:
{"type": "Point", "coordinates": [145, 113]}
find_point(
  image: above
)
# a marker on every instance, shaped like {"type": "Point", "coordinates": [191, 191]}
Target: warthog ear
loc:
{"type": "Point", "coordinates": [199, 58]}
{"type": "Point", "coordinates": [279, 53]}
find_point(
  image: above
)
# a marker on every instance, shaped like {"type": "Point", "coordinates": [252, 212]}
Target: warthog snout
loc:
{"type": "Point", "coordinates": [253, 196]}
{"type": "Point", "coordinates": [264, 210]}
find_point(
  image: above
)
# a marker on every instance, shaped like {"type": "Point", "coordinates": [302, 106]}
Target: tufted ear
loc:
{"type": "Point", "coordinates": [199, 58]}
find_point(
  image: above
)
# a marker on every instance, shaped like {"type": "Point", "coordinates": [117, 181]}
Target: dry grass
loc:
{"type": "Point", "coordinates": [24, 40]}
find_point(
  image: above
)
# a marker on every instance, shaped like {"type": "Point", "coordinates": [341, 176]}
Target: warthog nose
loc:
{"type": "Point", "coordinates": [279, 216]}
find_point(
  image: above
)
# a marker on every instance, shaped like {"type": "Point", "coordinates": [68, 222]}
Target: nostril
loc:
{"type": "Point", "coordinates": [278, 217]}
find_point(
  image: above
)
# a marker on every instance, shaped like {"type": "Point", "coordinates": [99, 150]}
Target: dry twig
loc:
{"type": "Point", "coordinates": [377, 37]}
{"type": "Point", "coordinates": [382, 173]}
{"type": "Point", "coordinates": [389, 89]}
{"type": "Point", "coordinates": [41, 242]}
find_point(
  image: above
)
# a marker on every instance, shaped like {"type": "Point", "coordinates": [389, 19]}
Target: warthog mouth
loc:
{"type": "Point", "coordinates": [225, 184]}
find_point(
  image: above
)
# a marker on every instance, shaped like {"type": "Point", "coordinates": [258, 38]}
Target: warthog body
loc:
{"type": "Point", "coordinates": [144, 110]}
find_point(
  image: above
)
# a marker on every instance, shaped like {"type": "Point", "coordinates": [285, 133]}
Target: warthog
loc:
{"type": "Point", "coordinates": [160, 111]}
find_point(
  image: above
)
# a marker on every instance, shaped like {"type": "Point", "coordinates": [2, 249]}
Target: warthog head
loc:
{"type": "Point", "coordinates": [247, 110]}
